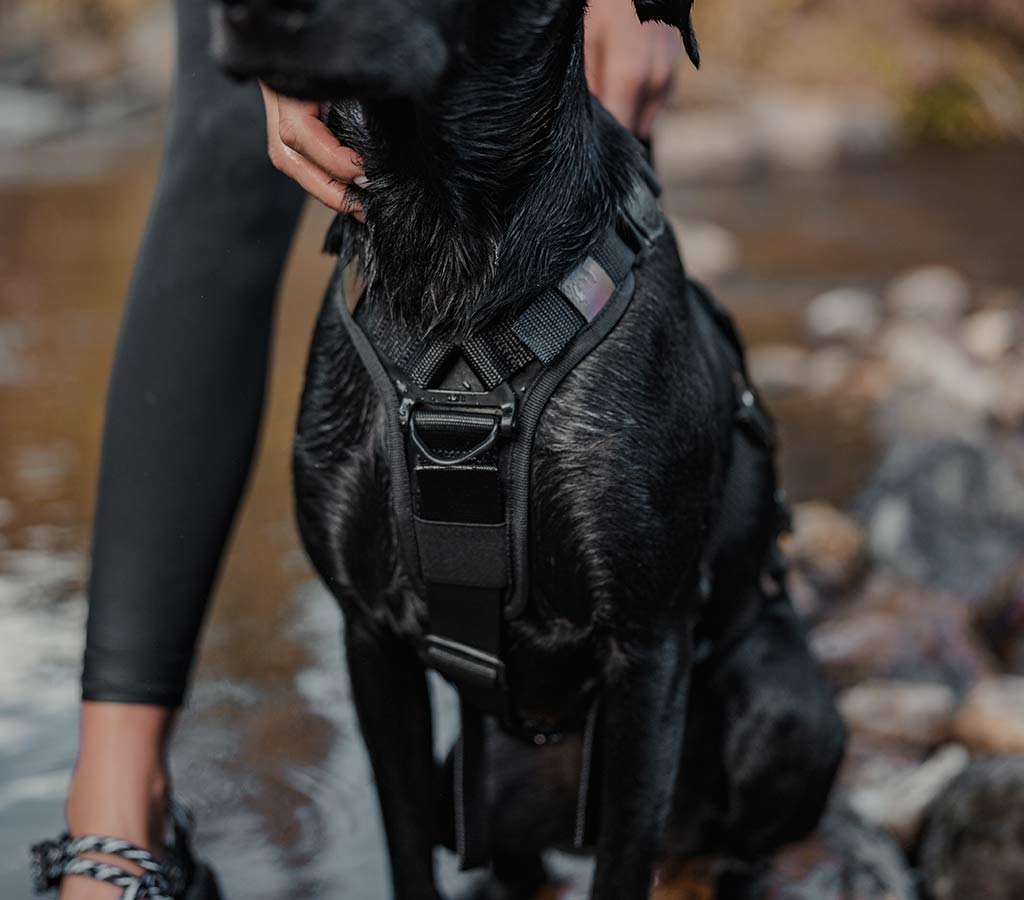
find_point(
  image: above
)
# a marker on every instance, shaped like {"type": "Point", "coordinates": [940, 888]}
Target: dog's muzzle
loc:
{"type": "Point", "coordinates": [328, 49]}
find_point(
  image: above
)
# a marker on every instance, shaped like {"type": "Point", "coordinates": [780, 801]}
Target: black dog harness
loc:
{"type": "Point", "coordinates": [461, 419]}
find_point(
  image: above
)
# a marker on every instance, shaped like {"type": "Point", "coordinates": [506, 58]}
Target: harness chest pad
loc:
{"type": "Point", "coordinates": [461, 419]}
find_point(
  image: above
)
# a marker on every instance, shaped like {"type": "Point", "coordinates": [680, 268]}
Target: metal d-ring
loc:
{"type": "Point", "coordinates": [482, 447]}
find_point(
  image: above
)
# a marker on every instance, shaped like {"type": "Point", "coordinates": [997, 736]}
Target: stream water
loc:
{"type": "Point", "coordinates": [268, 750]}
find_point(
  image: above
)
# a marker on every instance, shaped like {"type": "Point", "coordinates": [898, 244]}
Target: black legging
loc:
{"type": "Point", "coordinates": [187, 388]}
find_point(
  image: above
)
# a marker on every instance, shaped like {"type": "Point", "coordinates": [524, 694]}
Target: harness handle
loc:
{"type": "Point", "coordinates": [468, 456]}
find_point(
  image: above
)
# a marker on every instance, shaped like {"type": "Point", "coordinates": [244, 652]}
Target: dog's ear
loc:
{"type": "Point", "coordinates": [673, 12]}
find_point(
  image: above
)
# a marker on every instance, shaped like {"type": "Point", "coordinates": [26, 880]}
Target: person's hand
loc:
{"type": "Point", "coordinates": [303, 148]}
{"type": "Point", "coordinates": [629, 65]}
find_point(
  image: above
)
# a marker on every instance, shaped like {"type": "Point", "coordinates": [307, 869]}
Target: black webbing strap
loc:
{"type": "Point", "coordinates": [470, 788]}
{"type": "Point", "coordinates": [460, 466]}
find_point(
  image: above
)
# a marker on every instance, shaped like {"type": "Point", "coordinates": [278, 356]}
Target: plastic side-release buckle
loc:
{"type": "Point", "coordinates": [478, 676]}
{"type": "Point", "coordinates": [641, 218]}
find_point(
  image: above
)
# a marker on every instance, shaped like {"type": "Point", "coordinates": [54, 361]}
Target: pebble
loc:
{"type": "Point", "coordinates": [972, 846]}
{"type": "Point", "coordinates": [991, 719]}
{"type": "Point", "coordinates": [922, 356]}
{"type": "Point", "coordinates": [916, 714]}
{"type": "Point", "coordinates": [901, 632]}
{"type": "Point", "coordinates": [947, 512]}
{"type": "Point", "coordinates": [709, 250]}
{"type": "Point", "coordinates": [1001, 621]}
{"type": "Point", "coordinates": [780, 367]}
{"type": "Point", "coordinates": [829, 369]}
{"type": "Point", "coordinates": [848, 859]}
{"type": "Point", "coordinates": [990, 334]}
{"type": "Point", "coordinates": [934, 295]}
{"type": "Point", "coordinates": [1009, 405]}
{"type": "Point", "coordinates": [826, 546]}
{"type": "Point", "coordinates": [772, 129]}
{"type": "Point", "coordinates": [849, 315]}
{"type": "Point", "coordinates": [898, 802]}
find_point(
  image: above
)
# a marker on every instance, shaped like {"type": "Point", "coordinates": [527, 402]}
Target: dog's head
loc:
{"type": "Point", "coordinates": [329, 49]}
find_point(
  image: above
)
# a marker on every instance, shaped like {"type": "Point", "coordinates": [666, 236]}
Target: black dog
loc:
{"type": "Point", "coordinates": [653, 515]}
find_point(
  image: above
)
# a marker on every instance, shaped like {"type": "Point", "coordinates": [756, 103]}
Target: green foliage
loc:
{"type": "Point", "coordinates": [948, 110]}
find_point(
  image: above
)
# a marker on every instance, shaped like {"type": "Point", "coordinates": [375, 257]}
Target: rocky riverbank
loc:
{"type": "Point", "coordinates": [914, 597]}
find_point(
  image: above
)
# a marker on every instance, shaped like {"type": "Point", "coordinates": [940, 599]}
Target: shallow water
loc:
{"type": "Point", "coordinates": [268, 750]}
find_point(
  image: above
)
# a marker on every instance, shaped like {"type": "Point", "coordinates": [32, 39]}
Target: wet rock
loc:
{"type": "Point", "coordinates": [702, 143]}
{"type": "Point", "coordinates": [991, 719]}
{"type": "Point", "coordinates": [806, 599]}
{"type": "Point", "coordinates": [780, 367]}
{"type": "Point", "coordinates": [898, 801]}
{"type": "Point", "coordinates": [1009, 406]}
{"type": "Point", "coordinates": [771, 129]}
{"type": "Point", "coordinates": [990, 334]}
{"type": "Point", "coordinates": [870, 380]}
{"type": "Point", "coordinates": [921, 356]}
{"type": "Point", "coordinates": [1001, 622]}
{"type": "Point", "coordinates": [827, 546]}
{"type": "Point", "coordinates": [915, 714]}
{"type": "Point", "coordinates": [935, 295]}
{"type": "Point", "coordinates": [708, 249]}
{"type": "Point", "coordinates": [973, 841]}
{"type": "Point", "coordinates": [811, 132]}
{"type": "Point", "coordinates": [845, 314]}
{"type": "Point", "coordinates": [945, 512]}
{"type": "Point", "coordinates": [901, 632]}
{"type": "Point", "coordinates": [829, 369]}
{"type": "Point", "coordinates": [919, 412]}
{"type": "Point", "coordinates": [848, 859]}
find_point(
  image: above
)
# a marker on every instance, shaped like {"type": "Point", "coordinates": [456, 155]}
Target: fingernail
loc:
{"type": "Point", "coordinates": [360, 181]}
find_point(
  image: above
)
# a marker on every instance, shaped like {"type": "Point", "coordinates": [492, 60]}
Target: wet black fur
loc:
{"type": "Point", "coordinates": [489, 185]}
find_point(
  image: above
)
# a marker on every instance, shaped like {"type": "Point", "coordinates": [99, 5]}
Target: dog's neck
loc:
{"type": "Point", "coordinates": [489, 192]}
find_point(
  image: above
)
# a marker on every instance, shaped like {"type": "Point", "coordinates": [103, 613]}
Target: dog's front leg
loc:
{"type": "Point", "coordinates": [389, 686]}
{"type": "Point", "coordinates": [641, 744]}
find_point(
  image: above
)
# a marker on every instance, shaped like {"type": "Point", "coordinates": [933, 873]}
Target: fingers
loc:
{"type": "Point", "coordinates": [629, 65]}
{"type": "Point", "coordinates": [625, 81]}
{"type": "Point", "coordinates": [302, 147]}
{"type": "Point", "coordinates": [300, 128]}
{"type": "Point", "coordinates": [664, 59]}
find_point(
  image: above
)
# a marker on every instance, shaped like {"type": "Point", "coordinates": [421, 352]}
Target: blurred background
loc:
{"type": "Point", "coordinates": [849, 176]}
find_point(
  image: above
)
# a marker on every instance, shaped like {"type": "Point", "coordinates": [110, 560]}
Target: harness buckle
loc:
{"type": "Point", "coordinates": [640, 218]}
{"type": "Point", "coordinates": [480, 677]}
{"type": "Point", "coordinates": [456, 413]}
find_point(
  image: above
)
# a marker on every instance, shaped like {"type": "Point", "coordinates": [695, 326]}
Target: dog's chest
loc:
{"type": "Point", "coordinates": [615, 487]}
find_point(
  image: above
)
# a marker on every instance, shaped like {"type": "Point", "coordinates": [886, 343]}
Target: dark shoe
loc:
{"type": "Point", "coordinates": [177, 876]}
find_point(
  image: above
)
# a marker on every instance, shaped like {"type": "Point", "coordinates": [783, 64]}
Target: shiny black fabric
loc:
{"type": "Point", "coordinates": [187, 387]}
